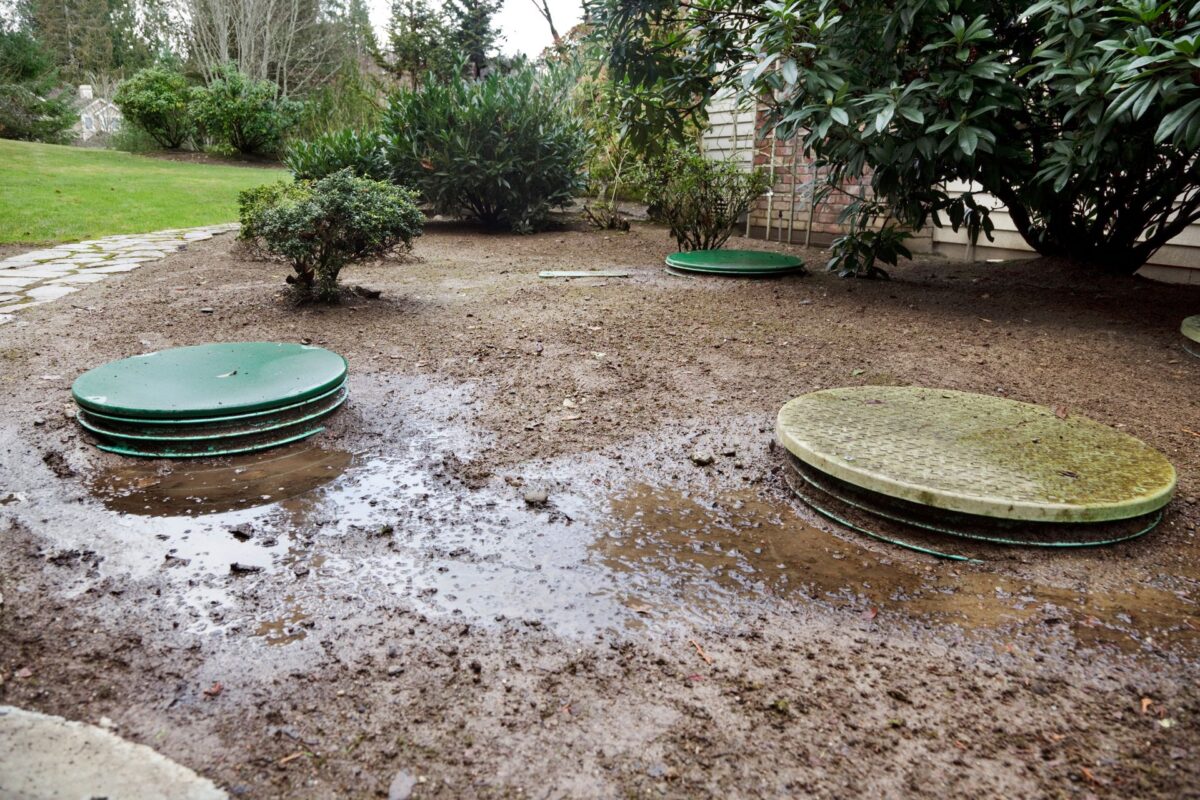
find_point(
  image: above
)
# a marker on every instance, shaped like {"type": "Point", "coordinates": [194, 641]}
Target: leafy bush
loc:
{"type": "Point", "coordinates": [320, 226]}
{"type": "Point", "coordinates": [241, 115]}
{"type": "Point", "coordinates": [31, 106]}
{"type": "Point", "coordinates": [252, 203]}
{"type": "Point", "coordinates": [604, 215]}
{"type": "Point", "coordinates": [698, 198]}
{"type": "Point", "coordinates": [361, 153]}
{"type": "Point", "coordinates": [156, 100]}
{"type": "Point", "coordinates": [871, 235]}
{"type": "Point", "coordinates": [353, 99]}
{"type": "Point", "coordinates": [504, 149]}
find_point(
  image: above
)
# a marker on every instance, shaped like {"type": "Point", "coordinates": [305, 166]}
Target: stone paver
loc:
{"type": "Point", "coordinates": [41, 276]}
{"type": "Point", "coordinates": [51, 758]}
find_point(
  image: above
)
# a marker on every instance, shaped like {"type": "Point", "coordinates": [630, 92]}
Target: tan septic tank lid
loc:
{"type": "Point", "coordinates": [976, 454]}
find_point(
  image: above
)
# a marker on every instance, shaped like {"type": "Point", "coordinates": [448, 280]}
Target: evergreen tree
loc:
{"type": "Point", "coordinates": [76, 32]}
{"type": "Point", "coordinates": [419, 39]}
{"type": "Point", "coordinates": [361, 43]}
{"type": "Point", "coordinates": [30, 108]}
{"type": "Point", "coordinates": [474, 34]}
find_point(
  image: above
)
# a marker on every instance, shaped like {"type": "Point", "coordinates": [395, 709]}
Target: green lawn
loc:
{"type": "Point", "coordinates": [50, 193]}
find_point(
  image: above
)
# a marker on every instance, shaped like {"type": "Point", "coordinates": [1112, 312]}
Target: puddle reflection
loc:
{"type": "Point", "coordinates": [158, 488]}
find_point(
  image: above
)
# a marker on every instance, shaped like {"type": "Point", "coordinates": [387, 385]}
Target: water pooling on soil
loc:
{"type": "Point", "coordinates": [309, 523]}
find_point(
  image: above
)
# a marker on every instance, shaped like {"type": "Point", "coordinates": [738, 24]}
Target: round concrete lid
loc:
{"type": "Point", "coordinates": [976, 454]}
{"type": "Point", "coordinates": [210, 380]}
{"type": "Point", "coordinates": [1191, 328]}
{"type": "Point", "coordinates": [751, 263]}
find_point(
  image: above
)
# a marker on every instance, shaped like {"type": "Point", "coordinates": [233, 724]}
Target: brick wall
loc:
{"type": "Point", "coordinates": [787, 212]}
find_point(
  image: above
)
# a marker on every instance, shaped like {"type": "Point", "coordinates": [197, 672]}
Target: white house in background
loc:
{"type": "Point", "coordinates": [98, 116]}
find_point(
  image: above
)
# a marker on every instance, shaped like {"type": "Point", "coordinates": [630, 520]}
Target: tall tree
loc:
{"type": "Point", "coordinates": [292, 43]}
{"type": "Point", "coordinates": [76, 32]}
{"type": "Point", "coordinates": [543, 7]}
{"type": "Point", "coordinates": [474, 31]}
{"type": "Point", "coordinates": [418, 42]}
{"type": "Point", "coordinates": [358, 33]}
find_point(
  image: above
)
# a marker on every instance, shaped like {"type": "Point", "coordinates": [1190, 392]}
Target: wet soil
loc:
{"type": "Point", "coordinates": [499, 572]}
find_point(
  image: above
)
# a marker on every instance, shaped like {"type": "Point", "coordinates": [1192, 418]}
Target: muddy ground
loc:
{"type": "Point", "coordinates": [411, 624]}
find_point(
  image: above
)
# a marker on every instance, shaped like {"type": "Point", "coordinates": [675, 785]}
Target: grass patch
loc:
{"type": "Point", "coordinates": [51, 193]}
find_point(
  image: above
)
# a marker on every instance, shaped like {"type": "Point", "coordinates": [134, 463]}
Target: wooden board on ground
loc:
{"type": "Point", "coordinates": [596, 273]}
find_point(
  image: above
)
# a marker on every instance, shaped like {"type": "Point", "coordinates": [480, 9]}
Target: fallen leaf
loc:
{"type": "Point", "coordinates": [1060, 412]}
{"type": "Point", "coordinates": [1146, 703]}
{"type": "Point", "coordinates": [214, 690]}
{"type": "Point", "coordinates": [870, 613]}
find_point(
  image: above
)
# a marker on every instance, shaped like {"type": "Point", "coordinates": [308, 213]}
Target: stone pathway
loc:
{"type": "Point", "coordinates": [39, 276]}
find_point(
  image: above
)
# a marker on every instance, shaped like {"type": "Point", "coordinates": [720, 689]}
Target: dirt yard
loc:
{"type": "Point", "coordinates": [408, 617]}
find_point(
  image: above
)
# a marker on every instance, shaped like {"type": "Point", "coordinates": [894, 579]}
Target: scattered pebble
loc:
{"type": "Point", "coordinates": [402, 786]}
{"type": "Point", "coordinates": [536, 497]}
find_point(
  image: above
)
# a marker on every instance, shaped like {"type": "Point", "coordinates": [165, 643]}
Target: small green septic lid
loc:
{"type": "Point", "coordinates": [209, 380]}
{"type": "Point", "coordinates": [753, 263]}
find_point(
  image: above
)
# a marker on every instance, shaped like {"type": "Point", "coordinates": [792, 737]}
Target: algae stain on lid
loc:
{"type": "Point", "coordinates": [976, 454]}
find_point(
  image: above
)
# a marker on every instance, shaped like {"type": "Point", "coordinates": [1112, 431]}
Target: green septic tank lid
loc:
{"type": "Point", "coordinates": [209, 380]}
{"type": "Point", "coordinates": [751, 263]}
{"type": "Point", "coordinates": [229, 448]}
{"type": "Point", "coordinates": [976, 454]}
{"type": "Point", "coordinates": [1191, 328]}
{"type": "Point", "coordinates": [237, 429]}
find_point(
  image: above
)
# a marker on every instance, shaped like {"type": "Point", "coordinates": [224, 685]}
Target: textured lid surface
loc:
{"type": "Point", "coordinates": [1191, 328]}
{"type": "Point", "coordinates": [735, 262]}
{"type": "Point", "coordinates": [210, 380]}
{"type": "Point", "coordinates": [976, 454]}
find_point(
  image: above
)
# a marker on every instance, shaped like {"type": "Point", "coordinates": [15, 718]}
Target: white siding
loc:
{"type": "Point", "coordinates": [1181, 253]}
{"type": "Point", "coordinates": [730, 132]}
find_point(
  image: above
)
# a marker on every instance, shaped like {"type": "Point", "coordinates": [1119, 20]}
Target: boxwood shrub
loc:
{"type": "Point", "coordinates": [321, 225]}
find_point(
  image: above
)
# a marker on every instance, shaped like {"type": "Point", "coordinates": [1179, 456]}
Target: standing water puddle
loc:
{"type": "Point", "coordinates": [706, 552]}
{"type": "Point", "coordinates": [307, 524]}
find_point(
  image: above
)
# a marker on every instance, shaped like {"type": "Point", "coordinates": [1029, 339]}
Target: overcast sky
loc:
{"type": "Point", "coordinates": [522, 28]}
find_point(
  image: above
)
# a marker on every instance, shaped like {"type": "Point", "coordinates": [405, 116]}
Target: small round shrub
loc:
{"type": "Point", "coordinates": [698, 198]}
{"type": "Point", "coordinates": [241, 115]}
{"type": "Point", "coordinates": [503, 149]}
{"type": "Point", "coordinates": [254, 201]}
{"type": "Point", "coordinates": [362, 153]}
{"type": "Point", "coordinates": [156, 100]}
{"type": "Point", "coordinates": [320, 226]}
